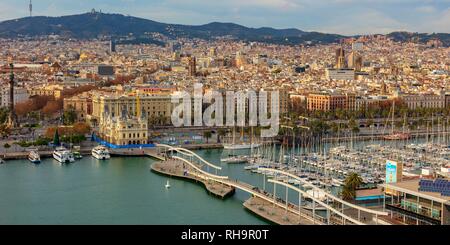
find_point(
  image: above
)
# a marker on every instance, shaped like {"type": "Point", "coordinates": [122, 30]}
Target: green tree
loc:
{"type": "Point", "coordinates": [347, 193]}
{"type": "Point", "coordinates": [335, 127]}
{"type": "Point", "coordinates": [5, 131]}
{"type": "Point", "coordinates": [70, 116]}
{"type": "Point", "coordinates": [220, 134]}
{"type": "Point", "coordinates": [7, 146]}
{"type": "Point", "coordinates": [351, 183]}
{"type": "Point", "coordinates": [4, 112]}
{"type": "Point", "coordinates": [56, 141]}
{"type": "Point", "coordinates": [207, 135]}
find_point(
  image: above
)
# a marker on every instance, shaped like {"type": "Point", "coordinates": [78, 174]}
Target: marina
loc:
{"type": "Point", "coordinates": [323, 172]}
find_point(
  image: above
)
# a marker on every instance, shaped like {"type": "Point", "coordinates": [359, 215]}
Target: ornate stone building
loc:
{"type": "Point", "coordinates": [125, 129]}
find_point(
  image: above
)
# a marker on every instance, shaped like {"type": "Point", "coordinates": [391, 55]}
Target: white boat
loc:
{"type": "Point", "coordinates": [101, 153]}
{"type": "Point", "coordinates": [251, 167]}
{"type": "Point", "coordinates": [167, 184]}
{"type": "Point", "coordinates": [34, 157]}
{"type": "Point", "coordinates": [234, 159]}
{"type": "Point", "coordinates": [320, 195]}
{"type": "Point", "coordinates": [317, 207]}
{"type": "Point", "coordinates": [242, 146]}
{"type": "Point", "coordinates": [63, 155]}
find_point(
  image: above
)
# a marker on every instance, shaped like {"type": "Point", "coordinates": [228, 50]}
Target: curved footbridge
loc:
{"type": "Point", "coordinates": [183, 163]}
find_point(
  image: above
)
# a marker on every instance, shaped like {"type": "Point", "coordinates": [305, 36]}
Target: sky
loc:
{"type": "Point", "coordinates": [347, 17]}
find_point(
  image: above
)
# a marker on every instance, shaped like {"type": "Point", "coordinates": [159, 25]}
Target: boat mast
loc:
{"type": "Point", "coordinates": [393, 115]}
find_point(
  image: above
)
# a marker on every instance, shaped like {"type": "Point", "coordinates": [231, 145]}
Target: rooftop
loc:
{"type": "Point", "coordinates": [412, 187]}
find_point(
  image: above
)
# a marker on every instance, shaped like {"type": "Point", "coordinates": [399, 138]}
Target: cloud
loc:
{"type": "Point", "coordinates": [427, 9]}
{"type": "Point", "coordinates": [366, 21]}
{"type": "Point", "coordinates": [440, 24]}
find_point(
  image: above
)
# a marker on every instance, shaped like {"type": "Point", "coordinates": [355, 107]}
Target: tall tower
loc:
{"type": "Point", "coordinates": [192, 66]}
{"type": "Point", "coordinates": [31, 8]}
{"type": "Point", "coordinates": [12, 119]}
{"type": "Point", "coordinates": [112, 46]}
{"type": "Point", "coordinates": [340, 58]}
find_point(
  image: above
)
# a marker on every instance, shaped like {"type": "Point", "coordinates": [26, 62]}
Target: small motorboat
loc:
{"type": "Point", "coordinates": [34, 157]}
{"type": "Point", "coordinates": [167, 184]}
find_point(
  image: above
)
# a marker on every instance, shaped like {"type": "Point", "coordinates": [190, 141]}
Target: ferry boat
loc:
{"type": "Point", "coordinates": [34, 157]}
{"type": "Point", "coordinates": [101, 153]}
{"type": "Point", "coordinates": [63, 155]}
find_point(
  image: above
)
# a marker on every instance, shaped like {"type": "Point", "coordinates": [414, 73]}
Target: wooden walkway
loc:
{"type": "Point", "coordinates": [178, 169]}
{"type": "Point", "coordinates": [274, 213]}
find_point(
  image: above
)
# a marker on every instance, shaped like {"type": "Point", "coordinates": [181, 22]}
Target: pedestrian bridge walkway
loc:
{"type": "Point", "coordinates": [338, 211]}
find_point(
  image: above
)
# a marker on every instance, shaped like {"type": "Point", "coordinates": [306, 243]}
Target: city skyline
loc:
{"type": "Point", "coordinates": [346, 17]}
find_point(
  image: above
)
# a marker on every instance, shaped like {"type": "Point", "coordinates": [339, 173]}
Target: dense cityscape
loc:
{"type": "Point", "coordinates": [364, 121]}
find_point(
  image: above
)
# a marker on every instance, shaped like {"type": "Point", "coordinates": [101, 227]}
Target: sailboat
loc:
{"type": "Point", "coordinates": [240, 146]}
{"type": "Point", "coordinates": [167, 184]}
{"type": "Point", "coordinates": [393, 135]}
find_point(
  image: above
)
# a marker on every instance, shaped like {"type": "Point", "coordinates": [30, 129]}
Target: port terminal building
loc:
{"type": "Point", "coordinates": [418, 201]}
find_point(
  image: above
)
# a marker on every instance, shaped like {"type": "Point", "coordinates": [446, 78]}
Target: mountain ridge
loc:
{"type": "Point", "coordinates": [91, 25]}
{"type": "Point", "coordinates": [94, 24]}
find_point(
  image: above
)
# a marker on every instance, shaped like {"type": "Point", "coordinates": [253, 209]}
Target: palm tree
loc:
{"type": "Point", "coordinates": [347, 194]}
{"type": "Point", "coordinates": [220, 134]}
{"type": "Point", "coordinates": [207, 135]}
{"type": "Point", "coordinates": [352, 182]}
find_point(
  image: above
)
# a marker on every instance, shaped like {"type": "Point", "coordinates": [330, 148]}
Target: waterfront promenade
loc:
{"type": "Point", "coordinates": [273, 213]}
{"type": "Point", "coordinates": [20, 153]}
{"type": "Point", "coordinates": [178, 169]}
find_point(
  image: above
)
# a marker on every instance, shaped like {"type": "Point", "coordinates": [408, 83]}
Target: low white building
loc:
{"type": "Point", "coordinates": [340, 74]}
{"type": "Point", "coordinates": [424, 101]}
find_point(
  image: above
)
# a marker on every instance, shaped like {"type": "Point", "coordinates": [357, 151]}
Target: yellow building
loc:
{"type": "Point", "coordinates": [157, 107]}
{"type": "Point", "coordinates": [47, 90]}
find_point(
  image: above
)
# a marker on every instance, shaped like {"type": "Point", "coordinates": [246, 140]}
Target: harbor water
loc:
{"type": "Point", "coordinates": [117, 191]}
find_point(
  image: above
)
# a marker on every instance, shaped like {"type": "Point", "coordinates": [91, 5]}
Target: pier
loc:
{"type": "Point", "coordinates": [177, 169]}
{"type": "Point", "coordinates": [186, 164]}
{"type": "Point", "coordinates": [274, 214]}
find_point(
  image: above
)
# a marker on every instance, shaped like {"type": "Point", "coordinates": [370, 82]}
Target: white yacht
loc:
{"type": "Point", "coordinates": [34, 156]}
{"type": "Point", "coordinates": [101, 153]}
{"type": "Point", "coordinates": [63, 155]}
